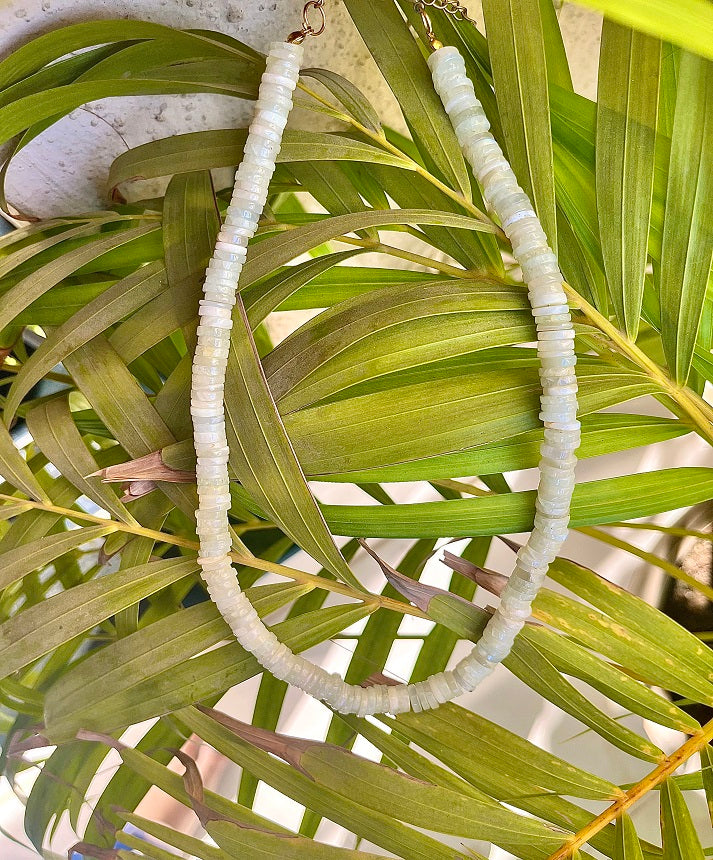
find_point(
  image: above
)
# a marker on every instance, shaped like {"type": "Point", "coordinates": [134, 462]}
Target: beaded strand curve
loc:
{"type": "Point", "coordinates": [555, 337]}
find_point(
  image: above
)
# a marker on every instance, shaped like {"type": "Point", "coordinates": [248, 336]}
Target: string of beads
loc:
{"type": "Point", "coordinates": [555, 344]}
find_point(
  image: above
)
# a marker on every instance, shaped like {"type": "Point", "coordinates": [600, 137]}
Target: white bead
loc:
{"type": "Point", "coordinates": [380, 699]}
{"type": "Point", "coordinates": [470, 672]}
{"type": "Point", "coordinates": [517, 216]}
{"type": "Point", "coordinates": [402, 699]}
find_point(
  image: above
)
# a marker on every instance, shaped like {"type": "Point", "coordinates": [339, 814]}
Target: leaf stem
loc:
{"type": "Point", "coordinates": [375, 600]}
{"type": "Point", "coordinates": [64, 378]}
{"type": "Point", "coordinates": [401, 254]}
{"type": "Point", "coordinates": [694, 407]}
{"type": "Point", "coordinates": [660, 773]}
{"type": "Point", "coordinates": [651, 558]}
{"type": "Point", "coordinates": [676, 531]}
{"type": "Point", "coordinates": [381, 141]}
{"type": "Point", "coordinates": [392, 251]}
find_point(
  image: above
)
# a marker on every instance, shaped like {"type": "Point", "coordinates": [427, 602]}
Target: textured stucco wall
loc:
{"type": "Point", "coordinates": [65, 168]}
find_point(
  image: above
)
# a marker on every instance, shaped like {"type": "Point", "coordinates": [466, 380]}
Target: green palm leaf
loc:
{"type": "Point", "coordinates": [518, 59]}
{"type": "Point", "coordinates": [627, 107]}
{"type": "Point", "coordinates": [686, 23]}
{"type": "Point", "coordinates": [677, 831]}
{"type": "Point", "coordinates": [687, 246]}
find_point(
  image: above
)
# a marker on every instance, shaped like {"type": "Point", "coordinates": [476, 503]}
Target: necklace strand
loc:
{"type": "Point", "coordinates": [555, 346]}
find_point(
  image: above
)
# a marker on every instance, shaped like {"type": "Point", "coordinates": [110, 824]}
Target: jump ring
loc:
{"type": "Point", "coordinates": [309, 29]}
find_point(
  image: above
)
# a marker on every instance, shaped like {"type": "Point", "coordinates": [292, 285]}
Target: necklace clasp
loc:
{"type": "Point", "coordinates": [308, 29]}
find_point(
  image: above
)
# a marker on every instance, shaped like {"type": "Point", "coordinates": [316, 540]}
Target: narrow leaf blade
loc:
{"type": "Point", "coordinates": [627, 109]}
{"type": "Point", "coordinates": [687, 245]}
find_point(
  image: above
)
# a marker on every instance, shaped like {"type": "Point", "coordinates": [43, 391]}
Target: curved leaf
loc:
{"type": "Point", "coordinates": [56, 435]}
{"type": "Point", "coordinates": [628, 846]}
{"type": "Point", "coordinates": [262, 845]}
{"type": "Point", "coordinates": [262, 456]}
{"type": "Point", "coordinates": [122, 405]}
{"type": "Point", "coordinates": [190, 226]}
{"type": "Point", "coordinates": [680, 840]}
{"type": "Point", "coordinates": [53, 103]}
{"type": "Point", "coordinates": [630, 610]}
{"type": "Point", "coordinates": [608, 500]}
{"type": "Point", "coordinates": [156, 674]}
{"type": "Point", "coordinates": [687, 23]}
{"type": "Point", "coordinates": [687, 244]}
{"type": "Point", "coordinates": [48, 47]}
{"type": "Point", "coordinates": [517, 54]}
{"type": "Point", "coordinates": [392, 330]}
{"type": "Point", "coordinates": [420, 803]}
{"type": "Point", "coordinates": [14, 468]}
{"type": "Point", "coordinates": [601, 434]}
{"type": "Point", "coordinates": [274, 251]}
{"type": "Point", "coordinates": [447, 413]}
{"type": "Point", "coordinates": [33, 555]}
{"type": "Point", "coordinates": [349, 95]}
{"type": "Point", "coordinates": [402, 64]}
{"type": "Point", "coordinates": [41, 628]}
{"type": "Point", "coordinates": [572, 659]}
{"type": "Point", "coordinates": [378, 827]}
{"type": "Point", "coordinates": [498, 751]}
{"type": "Point", "coordinates": [263, 298]}
{"type": "Point", "coordinates": [201, 150]}
{"type": "Point", "coordinates": [19, 296]}
{"type": "Point", "coordinates": [112, 305]}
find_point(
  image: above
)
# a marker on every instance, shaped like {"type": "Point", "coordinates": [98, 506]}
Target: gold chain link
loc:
{"type": "Point", "coordinates": [450, 7]}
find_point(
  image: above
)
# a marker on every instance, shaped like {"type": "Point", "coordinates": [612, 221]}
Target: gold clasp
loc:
{"type": "Point", "coordinates": [310, 29]}
{"type": "Point", "coordinates": [435, 43]}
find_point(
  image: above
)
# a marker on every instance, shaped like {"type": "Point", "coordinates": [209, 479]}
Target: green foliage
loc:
{"type": "Point", "coordinates": [411, 370]}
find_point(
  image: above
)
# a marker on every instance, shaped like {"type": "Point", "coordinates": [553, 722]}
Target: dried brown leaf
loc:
{"type": "Point", "coordinates": [193, 783]}
{"type": "Point", "coordinates": [287, 748]}
{"type": "Point", "coordinates": [490, 580]}
{"type": "Point", "coordinates": [148, 468]}
{"type": "Point", "coordinates": [413, 590]}
{"type": "Point", "coordinates": [136, 489]}
{"type": "Point", "coordinates": [85, 849]}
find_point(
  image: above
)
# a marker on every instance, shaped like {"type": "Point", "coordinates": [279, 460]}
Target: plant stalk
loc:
{"type": "Point", "coordinates": [694, 407]}
{"type": "Point", "coordinates": [381, 141]}
{"type": "Point", "coordinates": [375, 600]}
{"type": "Point", "coordinates": [675, 531]}
{"type": "Point", "coordinates": [649, 557]}
{"type": "Point", "coordinates": [660, 773]}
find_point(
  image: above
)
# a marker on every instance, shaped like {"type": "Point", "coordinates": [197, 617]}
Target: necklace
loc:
{"type": "Point", "coordinates": [555, 347]}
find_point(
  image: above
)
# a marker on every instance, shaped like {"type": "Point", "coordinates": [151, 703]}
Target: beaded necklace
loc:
{"type": "Point", "coordinates": [555, 347]}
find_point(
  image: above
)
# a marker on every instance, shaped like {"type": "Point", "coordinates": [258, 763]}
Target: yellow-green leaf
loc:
{"type": "Point", "coordinates": [687, 23]}
{"type": "Point", "coordinates": [45, 626]}
{"type": "Point", "coordinates": [678, 833]}
{"type": "Point", "coordinates": [15, 470]}
{"type": "Point", "coordinates": [687, 245]}
{"type": "Point", "coordinates": [627, 845]}
{"type": "Point", "coordinates": [518, 58]}
{"type": "Point", "coordinates": [236, 840]}
{"type": "Point", "coordinates": [263, 458]}
{"type": "Point", "coordinates": [627, 109]}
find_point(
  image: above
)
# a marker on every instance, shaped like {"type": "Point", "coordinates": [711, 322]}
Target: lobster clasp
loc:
{"type": "Point", "coordinates": [308, 29]}
{"type": "Point", "coordinates": [435, 43]}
